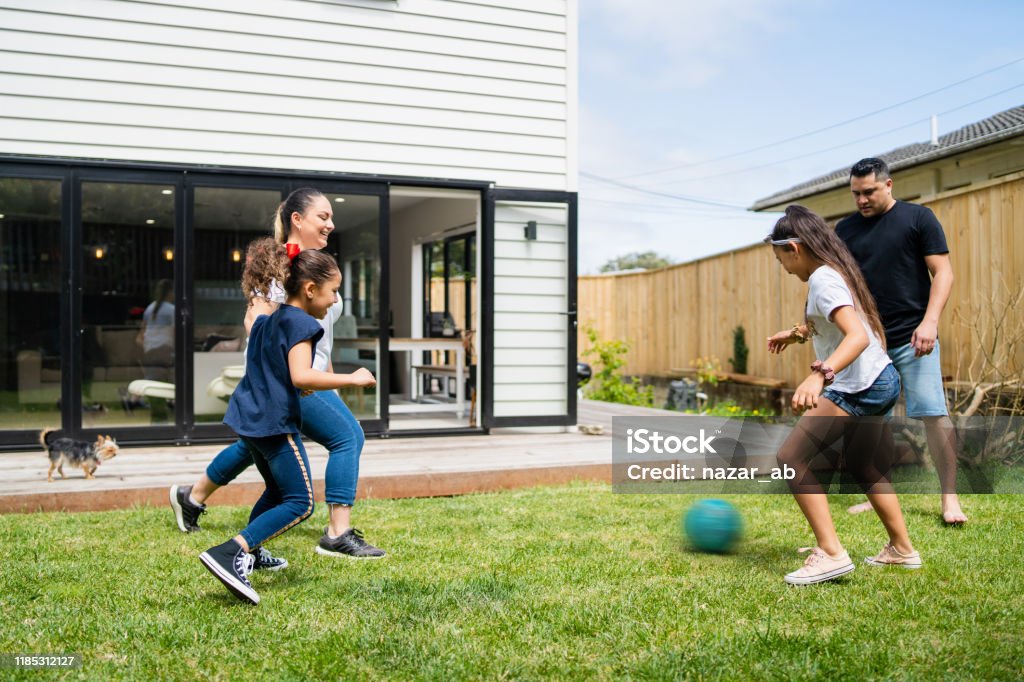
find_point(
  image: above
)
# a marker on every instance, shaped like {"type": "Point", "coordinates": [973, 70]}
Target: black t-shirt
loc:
{"type": "Point", "coordinates": [890, 250]}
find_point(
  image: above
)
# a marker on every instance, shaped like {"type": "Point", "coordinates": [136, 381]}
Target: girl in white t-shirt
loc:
{"type": "Point", "coordinates": [851, 385]}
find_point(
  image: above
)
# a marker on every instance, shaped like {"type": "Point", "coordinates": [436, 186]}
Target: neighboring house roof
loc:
{"type": "Point", "coordinates": [1009, 123]}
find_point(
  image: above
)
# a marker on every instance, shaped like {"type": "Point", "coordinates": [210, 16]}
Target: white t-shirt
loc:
{"type": "Point", "coordinates": [159, 328]}
{"type": "Point", "coordinates": [322, 357]}
{"type": "Point", "coordinates": [828, 291]}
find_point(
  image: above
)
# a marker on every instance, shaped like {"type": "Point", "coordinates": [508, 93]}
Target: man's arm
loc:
{"type": "Point", "coordinates": [941, 270]}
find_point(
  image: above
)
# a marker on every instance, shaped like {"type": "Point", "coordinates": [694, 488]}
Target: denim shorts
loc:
{"type": "Point", "coordinates": [875, 400]}
{"type": "Point", "coordinates": [922, 381]}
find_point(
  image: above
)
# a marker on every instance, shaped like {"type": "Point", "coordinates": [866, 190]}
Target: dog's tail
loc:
{"type": "Point", "coordinates": [44, 436]}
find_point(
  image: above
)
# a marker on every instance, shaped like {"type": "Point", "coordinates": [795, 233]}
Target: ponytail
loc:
{"type": "Point", "coordinates": [299, 202]}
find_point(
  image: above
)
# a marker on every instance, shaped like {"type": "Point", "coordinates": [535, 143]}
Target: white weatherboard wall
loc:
{"type": "Point", "coordinates": [477, 90]}
{"type": "Point", "coordinates": [530, 304]}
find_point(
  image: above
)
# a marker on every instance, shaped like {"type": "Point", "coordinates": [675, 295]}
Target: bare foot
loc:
{"type": "Point", "coordinates": [952, 515]}
{"type": "Point", "coordinates": [860, 508]}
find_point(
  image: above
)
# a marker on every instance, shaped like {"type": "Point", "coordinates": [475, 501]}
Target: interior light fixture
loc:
{"type": "Point", "coordinates": [339, 200]}
{"type": "Point", "coordinates": [236, 256]}
{"type": "Point", "coordinates": [99, 252]}
{"type": "Point", "coordinates": [2, 216]}
{"type": "Point", "coordinates": [150, 221]}
{"type": "Point", "coordinates": [167, 191]}
{"type": "Point", "coordinates": [168, 253]}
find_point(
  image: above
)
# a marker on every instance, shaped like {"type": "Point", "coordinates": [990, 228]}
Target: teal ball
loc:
{"type": "Point", "coordinates": [713, 526]}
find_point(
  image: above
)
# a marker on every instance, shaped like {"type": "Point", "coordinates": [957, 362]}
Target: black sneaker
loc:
{"type": "Point", "coordinates": [350, 544]}
{"type": "Point", "coordinates": [186, 513]}
{"type": "Point", "coordinates": [232, 565]}
{"type": "Point", "coordinates": [265, 561]}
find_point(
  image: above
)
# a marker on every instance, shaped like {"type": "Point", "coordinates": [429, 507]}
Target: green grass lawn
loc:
{"type": "Point", "coordinates": [558, 582]}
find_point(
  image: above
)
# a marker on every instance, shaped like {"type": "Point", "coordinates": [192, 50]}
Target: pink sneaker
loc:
{"type": "Point", "coordinates": [819, 567]}
{"type": "Point", "coordinates": [890, 557]}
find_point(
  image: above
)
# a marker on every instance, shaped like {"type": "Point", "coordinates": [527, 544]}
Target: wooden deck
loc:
{"type": "Point", "coordinates": [389, 468]}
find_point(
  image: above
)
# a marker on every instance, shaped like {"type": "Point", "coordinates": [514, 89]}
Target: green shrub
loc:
{"type": "Point", "coordinates": [607, 383]}
{"type": "Point", "coordinates": [709, 371]}
{"type": "Point", "coordinates": [740, 351]}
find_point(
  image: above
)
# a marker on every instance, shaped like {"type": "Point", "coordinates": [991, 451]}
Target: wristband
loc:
{"type": "Point", "coordinates": [827, 372]}
{"type": "Point", "coordinates": [800, 338]}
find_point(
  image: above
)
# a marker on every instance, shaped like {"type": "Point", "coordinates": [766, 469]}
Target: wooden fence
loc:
{"type": "Point", "coordinates": [676, 314]}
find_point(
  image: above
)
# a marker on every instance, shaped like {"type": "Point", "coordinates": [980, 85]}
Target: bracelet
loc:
{"type": "Point", "coordinates": [800, 338]}
{"type": "Point", "coordinates": [827, 372]}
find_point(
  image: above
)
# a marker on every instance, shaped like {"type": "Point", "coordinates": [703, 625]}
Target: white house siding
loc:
{"type": "Point", "coordinates": [428, 88]}
{"type": "Point", "coordinates": [530, 305]}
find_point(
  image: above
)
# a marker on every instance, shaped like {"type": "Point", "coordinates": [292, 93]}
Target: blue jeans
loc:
{"type": "Point", "coordinates": [328, 421]}
{"type": "Point", "coordinates": [288, 497]}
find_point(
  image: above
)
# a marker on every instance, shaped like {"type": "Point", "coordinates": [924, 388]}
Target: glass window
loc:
{"type": "Point", "coordinates": [226, 220]}
{"type": "Point", "coordinates": [30, 303]}
{"type": "Point", "coordinates": [450, 272]}
{"type": "Point", "coordinates": [128, 307]}
{"type": "Point", "coordinates": [355, 243]}
{"type": "Point", "coordinates": [460, 280]}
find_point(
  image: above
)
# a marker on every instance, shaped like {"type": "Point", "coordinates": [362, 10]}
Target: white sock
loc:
{"type": "Point", "coordinates": [192, 500]}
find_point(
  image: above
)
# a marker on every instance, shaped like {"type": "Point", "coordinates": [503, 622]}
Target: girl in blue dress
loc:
{"type": "Point", "coordinates": [264, 411]}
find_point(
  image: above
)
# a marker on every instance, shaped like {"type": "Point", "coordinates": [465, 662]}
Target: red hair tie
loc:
{"type": "Point", "coordinates": [293, 250]}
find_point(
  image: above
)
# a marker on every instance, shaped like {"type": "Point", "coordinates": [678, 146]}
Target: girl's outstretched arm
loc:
{"type": "Point", "coordinates": [778, 342]}
{"type": "Point", "coordinates": [304, 377]}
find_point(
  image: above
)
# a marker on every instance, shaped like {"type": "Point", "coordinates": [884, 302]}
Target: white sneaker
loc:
{"type": "Point", "coordinates": [819, 567]}
{"type": "Point", "coordinates": [889, 556]}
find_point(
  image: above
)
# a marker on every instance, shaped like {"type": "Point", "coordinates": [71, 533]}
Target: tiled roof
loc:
{"type": "Point", "coordinates": [1009, 123]}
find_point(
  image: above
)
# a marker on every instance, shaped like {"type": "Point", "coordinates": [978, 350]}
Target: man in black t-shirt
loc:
{"type": "Point", "coordinates": [901, 249]}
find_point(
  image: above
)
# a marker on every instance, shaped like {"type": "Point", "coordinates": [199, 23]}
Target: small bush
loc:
{"type": "Point", "coordinates": [607, 383]}
{"type": "Point", "coordinates": [730, 408]}
{"type": "Point", "coordinates": [709, 370]}
{"type": "Point", "coordinates": [740, 350]}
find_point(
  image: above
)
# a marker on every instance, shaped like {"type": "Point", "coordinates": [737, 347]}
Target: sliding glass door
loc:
{"type": "Point", "coordinates": [127, 303]}
{"type": "Point", "coordinates": [359, 242]}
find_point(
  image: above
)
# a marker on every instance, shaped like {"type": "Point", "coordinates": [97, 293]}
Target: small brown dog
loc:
{"type": "Point", "coordinates": [85, 456]}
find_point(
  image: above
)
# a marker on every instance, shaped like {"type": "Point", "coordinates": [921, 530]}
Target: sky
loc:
{"type": "Point", "coordinates": [701, 101]}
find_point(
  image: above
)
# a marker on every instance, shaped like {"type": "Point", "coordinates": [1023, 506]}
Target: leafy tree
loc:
{"type": "Point", "coordinates": [648, 260]}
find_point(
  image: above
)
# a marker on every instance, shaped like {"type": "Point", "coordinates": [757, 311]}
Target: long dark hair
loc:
{"type": "Point", "coordinates": [296, 202]}
{"type": "Point", "coordinates": [309, 266]}
{"type": "Point", "coordinates": [822, 243]}
{"type": "Point", "coordinates": [164, 288]}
